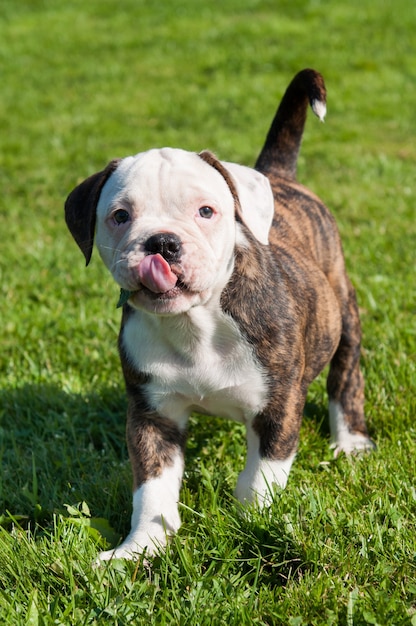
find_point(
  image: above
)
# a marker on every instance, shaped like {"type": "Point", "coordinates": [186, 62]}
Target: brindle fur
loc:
{"type": "Point", "coordinates": [303, 236]}
{"type": "Point", "coordinates": [306, 307]}
{"type": "Point", "coordinates": [281, 148]}
{"type": "Point", "coordinates": [291, 299]}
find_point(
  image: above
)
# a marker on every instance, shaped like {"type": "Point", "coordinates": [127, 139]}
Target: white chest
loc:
{"type": "Point", "coordinates": [199, 361]}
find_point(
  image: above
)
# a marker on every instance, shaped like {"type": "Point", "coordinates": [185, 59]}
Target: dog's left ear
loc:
{"type": "Point", "coordinates": [253, 193]}
{"type": "Point", "coordinates": [81, 205]}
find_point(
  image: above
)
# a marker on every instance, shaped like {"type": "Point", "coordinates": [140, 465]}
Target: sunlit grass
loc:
{"type": "Point", "coordinates": [85, 82]}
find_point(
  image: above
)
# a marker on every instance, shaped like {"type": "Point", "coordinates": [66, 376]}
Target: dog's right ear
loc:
{"type": "Point", "coordinates": [81, 205]}
{"type": "Point", "coordinates": [253, 196]}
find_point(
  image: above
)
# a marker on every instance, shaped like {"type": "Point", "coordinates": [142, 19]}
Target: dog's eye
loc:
{"type": "Point", "coordinates": [121, 216]}
{"type": "Point", "coordinates": [206, 212]}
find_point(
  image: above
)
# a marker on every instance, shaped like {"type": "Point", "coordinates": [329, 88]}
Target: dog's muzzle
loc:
{"type": "Point", "coordinates": [154, 271]}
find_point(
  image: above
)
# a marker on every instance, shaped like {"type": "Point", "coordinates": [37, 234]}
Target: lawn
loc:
{"type": "Point", "coordinates": [83, 82]}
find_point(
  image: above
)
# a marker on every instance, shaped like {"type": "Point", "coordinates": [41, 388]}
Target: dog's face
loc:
{"type": "Point", "coordinates": [167, 222]}
{"type": "Point", "coordinates": [166, 229]}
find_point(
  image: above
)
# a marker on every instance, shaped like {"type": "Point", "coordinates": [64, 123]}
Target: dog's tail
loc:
{"type": "Point", "coordinates": [280, 152]}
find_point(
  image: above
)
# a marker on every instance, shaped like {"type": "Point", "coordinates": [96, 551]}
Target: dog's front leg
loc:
{"type": "Point", "coordinates": [272, 440]}
{"type": "Point", "coordinates": [156, 446]}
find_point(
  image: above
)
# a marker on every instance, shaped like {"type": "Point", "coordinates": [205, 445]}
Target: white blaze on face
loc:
{"type": "Point", "coordinates": [167, 191]}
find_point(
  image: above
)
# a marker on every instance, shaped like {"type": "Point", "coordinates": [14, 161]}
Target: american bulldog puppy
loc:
{"type": "Point", "coordinates": [235, 297]}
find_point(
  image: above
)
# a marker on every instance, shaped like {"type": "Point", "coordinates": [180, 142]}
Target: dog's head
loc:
{"type": "Point", "coordinates": [166, 223]}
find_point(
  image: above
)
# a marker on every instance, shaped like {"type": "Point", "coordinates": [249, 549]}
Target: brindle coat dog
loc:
{"type": "Point", "coordinates": [236, 297]}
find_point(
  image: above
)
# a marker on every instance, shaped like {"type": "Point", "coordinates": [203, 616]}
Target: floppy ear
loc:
{"type": "Point", "coordinates": [255, 203]}
{"type": "Point", "coordinates": [81, 205]}
{"type": "Point", "coordinates": [256, 199]}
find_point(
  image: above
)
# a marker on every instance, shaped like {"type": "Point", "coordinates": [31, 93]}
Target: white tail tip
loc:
{"type": "Point", "coordinates": [319, 108]}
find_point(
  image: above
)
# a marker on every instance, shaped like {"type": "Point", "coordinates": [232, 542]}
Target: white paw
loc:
{"type": "Point", "coordinates": [129, 553]}
{"type": "Point", "coordinates": [155, 516]}
{"type": "Point", "coordinates": [259, 480]}
{"type": "Point", "coordinates": [149, 541]}
{"type": "Point", "coordinates": [353, 443]}
{"type": "Point", "coordinates": [132, 548]}
{"type": "Point", "coordinates": [342, 439]}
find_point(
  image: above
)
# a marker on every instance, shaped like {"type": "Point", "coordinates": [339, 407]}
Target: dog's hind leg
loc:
{"type": "Point", "coordinates": [345, 385]}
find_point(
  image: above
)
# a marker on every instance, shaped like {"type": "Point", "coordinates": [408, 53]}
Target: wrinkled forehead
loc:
{"type": "Point", "coordinates": [165, 175]}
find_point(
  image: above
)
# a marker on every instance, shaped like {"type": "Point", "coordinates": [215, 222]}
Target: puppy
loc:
{"type": "Point", "coordinates": [235, 298]}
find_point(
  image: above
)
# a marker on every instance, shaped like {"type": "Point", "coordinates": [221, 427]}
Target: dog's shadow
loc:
{"type": "Point", "coordinates": [262, 544]}
{"type": "Point", "coordinates": [60, 448]}
{"type": "Point", "coordinates": [317, 415]}
{"type": "Point", "coordinates": [241, 546]}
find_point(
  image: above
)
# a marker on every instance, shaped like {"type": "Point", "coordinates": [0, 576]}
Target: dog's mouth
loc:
{"type": "Point", "coordinates": [178, 289]}
{"type": "Point", "coordinates": [156, 274]}
{"type": "Point", "coordinates": [158, 281]}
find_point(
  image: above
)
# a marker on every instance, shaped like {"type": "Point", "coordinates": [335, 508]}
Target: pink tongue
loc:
{"type": "Point", "coordinates": [155, 274]}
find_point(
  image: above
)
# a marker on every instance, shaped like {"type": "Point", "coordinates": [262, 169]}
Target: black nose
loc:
{"type": "Point", "coordinates": [166, 244]}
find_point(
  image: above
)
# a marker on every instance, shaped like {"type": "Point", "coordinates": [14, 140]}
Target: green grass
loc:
{"type": "Point", "coordinates": [82, 83]}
